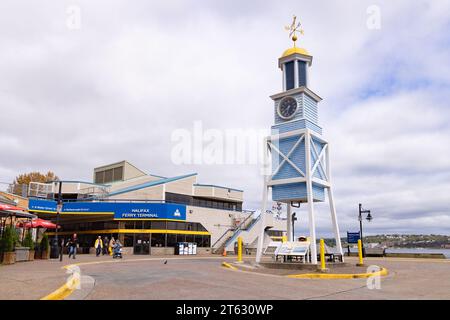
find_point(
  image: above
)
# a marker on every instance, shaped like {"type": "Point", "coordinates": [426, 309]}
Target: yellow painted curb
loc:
{"type": "Point", "coordinates": [63, 291]}
{"type": "Point", "coordinates": [227, 265]}
{"type": "Point", "coordinates": [382, 272]}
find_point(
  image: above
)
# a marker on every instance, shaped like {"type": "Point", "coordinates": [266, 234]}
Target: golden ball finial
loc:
{"type": "Point", "coordinates": [294, 37]}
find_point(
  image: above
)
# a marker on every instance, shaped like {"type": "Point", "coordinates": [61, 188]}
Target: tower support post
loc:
{"type": "Point", "coordinates": [289, 222]}
{"type": "Point", "coordinates": [332, 206]}
{"type": "Point", "coordinates": [309, 191]}
{"type": "Point", "coordinates": [260, 246]}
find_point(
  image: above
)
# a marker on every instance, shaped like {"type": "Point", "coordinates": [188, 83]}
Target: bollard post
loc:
{"type": "Point", "coordinates": [283, 239]}
{"type": "Point", "coordinates": [322, 256]}
{"type": "Point", "coordinates": [239, 249]}
{"type": "Point", "coordinates": [361, 263]}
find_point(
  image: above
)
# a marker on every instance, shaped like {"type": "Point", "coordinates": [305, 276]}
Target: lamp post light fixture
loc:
{"type": "Point", "coordinates": [368, 218]}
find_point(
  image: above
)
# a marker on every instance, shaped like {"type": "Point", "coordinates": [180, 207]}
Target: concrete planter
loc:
{"type": "Point", "coordinates": [9, 258]}
{"type": "Point", "coordinates": [22, 254]}
{"type": "Point", "coordinates": [45, 254]}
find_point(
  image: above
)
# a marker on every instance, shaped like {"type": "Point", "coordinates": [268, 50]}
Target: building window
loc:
{"type": "Point", "coordinates": [171, 240]}
{"type": "Point", "coordinates": [159, 225]}
{"type": "Point", "coordinates": [128, 240]}
{"type": "Point", "coordinates": [99, 177]}
{"type": "Point", "coordinates": [129, 224]}
{"type": "Point", "coordinates": [158, 240]}
{"type": "Point", "coordinates": [178, 198]}
{"type": "Point", "coordinates": [199, 240]}
{"type": "Point", "coordinates": [289, 71]}
{"type": "Point", "coordinates": [118, 174]}
{"type": "Point", "coordinates": [147, 224]}
{"type": "Point", "coordinates": [172, 225]}
{"type": "Point", "coordinates": [109, 175]}
{"type": "Point", "coordinates": [301, 73]}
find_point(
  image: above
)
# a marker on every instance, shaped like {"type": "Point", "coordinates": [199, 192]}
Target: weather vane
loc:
{"type": "Point", "coordinates": [294, 28]}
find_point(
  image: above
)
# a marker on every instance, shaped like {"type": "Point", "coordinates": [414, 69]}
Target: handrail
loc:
{"type": "Point", "coordinates": [223, 235]}
{"type": "Point", "coordinates": [236, 233]}
{"type": "Point", "coordinates": [235, 228]}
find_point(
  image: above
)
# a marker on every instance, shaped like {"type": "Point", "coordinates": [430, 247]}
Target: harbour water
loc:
{"type": "Point", "coordinates": [446, 252]}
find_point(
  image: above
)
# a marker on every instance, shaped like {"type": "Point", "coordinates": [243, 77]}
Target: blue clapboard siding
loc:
{"type": "Point", "coordinates": [298, 157]}
{"type": "Point", "coordinates": [310, 109]}
{"type": "Point", "coordinates": [319, 173]}
{"type": "Point", "coordinates": [295, 125]}
{"type": "Point", "coordinates": [296, 191]}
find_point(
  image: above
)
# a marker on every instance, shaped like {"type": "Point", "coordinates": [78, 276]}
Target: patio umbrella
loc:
{"type": "Point", "coordinates": [38, 223]}
{"type": "Point", "coordinates": [10, 208]}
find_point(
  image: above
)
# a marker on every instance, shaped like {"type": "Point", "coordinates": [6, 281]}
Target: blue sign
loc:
{"type": "Point", "coordinates": [150, 211]}
{"type": "Point", "coordinates": [352, 237]}
{"type": "Point", "coordinates": [42, 205]}
{"type": "Point", "coordinates": [121, 210]}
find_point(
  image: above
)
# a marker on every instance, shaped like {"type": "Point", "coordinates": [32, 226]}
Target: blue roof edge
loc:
{"type": "Point", "coordinates": [150, 184]}
{"type": "Point", "coordinates": [216, 186]}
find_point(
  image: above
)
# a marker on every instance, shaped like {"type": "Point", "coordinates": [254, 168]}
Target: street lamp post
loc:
{"type": "Point", "coordinates": [368, 218]}
{"type": "Point", "coordinates": [294, 218]}
{"type": "Point", "coordinates": [55, 252]}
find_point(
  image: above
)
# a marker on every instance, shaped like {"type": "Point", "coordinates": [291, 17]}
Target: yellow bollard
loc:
{"type": "Point", "coordinates": [322, 256]}
{"type": "Point", "coordinates": [361, 263]}
{"type": "Point", "coordinates": [239, 249]}
{"type": "Point", "coordinates": [283, 239]}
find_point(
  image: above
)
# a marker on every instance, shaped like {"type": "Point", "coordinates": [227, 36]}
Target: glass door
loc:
{"type": "Point", "coordinates": [142, 243]}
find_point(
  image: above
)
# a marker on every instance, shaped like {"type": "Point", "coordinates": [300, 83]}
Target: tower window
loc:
{"type": "Point", "coordinates": [301, 73]}
{"type": "Point", "coordinates": [290, 78]}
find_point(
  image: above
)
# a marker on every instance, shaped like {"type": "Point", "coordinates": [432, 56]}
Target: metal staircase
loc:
{"type": "Point", "coordinates": [231, 233]}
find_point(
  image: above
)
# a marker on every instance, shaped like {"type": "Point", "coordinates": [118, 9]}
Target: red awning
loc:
{"type": "Point", "coordinates": [8, 207]}
{"type": "Point", "coordinates": [38, 223]}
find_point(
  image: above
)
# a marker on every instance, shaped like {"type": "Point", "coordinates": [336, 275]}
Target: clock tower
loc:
{"type": "Point", "coordinates": [299, 154]}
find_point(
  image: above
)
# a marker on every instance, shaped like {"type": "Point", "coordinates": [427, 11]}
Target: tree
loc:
{"type": "Point", "coordinates": [28, 241]}
{"type": "Point", "coordinates": [9, 239]}
{"type": "Point", "coordinates": [35, 176]}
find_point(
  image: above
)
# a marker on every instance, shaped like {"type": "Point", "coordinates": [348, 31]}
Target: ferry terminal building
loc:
{"type": "Point", "coordinates": [150, 214]}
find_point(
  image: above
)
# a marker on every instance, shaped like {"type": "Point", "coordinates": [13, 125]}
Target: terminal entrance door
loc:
{"type": "Point", "coordinates": [142, 244]}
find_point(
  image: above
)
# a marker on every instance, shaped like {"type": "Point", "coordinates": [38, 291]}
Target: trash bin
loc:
{"type": "Point", "coordinates": [179, 248]}
{"type": "Point", "coordinates": [54, 249]}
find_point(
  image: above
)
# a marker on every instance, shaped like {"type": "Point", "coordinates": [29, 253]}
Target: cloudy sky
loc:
{"type": "Point", "coordinates": [85, 83]}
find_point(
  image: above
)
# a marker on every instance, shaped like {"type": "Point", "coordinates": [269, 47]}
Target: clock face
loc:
{"type": "Point", "coordinates": [287, 108]}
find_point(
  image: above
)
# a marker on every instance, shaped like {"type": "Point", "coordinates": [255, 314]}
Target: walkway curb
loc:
{"type": "Point", "coordinates": [382, 272]}
{"type": "Point", "coordinates": [229, 266]}
{"type": "Point", "coordinates": [64, 291]}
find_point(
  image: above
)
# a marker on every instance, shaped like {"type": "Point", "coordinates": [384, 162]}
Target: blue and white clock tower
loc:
{"type": "Point", "coordinates": [300, 170]}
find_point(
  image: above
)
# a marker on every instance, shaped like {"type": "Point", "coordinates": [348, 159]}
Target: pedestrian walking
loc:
{"type": "Point", "coordinates": [61, 248]}
{"type": "Point", "coordinates": [73, 244]}
{"type": "Point", "coordinates": [98, 246]}
{"type": "Point", "coordinates": [112, 242]}
{"type": "Point", "coordinates": [105, 246]}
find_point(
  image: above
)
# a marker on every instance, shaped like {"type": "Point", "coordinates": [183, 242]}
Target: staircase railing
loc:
{"type": "Point", "coordinates": [234, 230]}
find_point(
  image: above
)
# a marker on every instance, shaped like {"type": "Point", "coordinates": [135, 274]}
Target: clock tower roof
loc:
{"type": "Point", "coordinates": [295, 50]}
